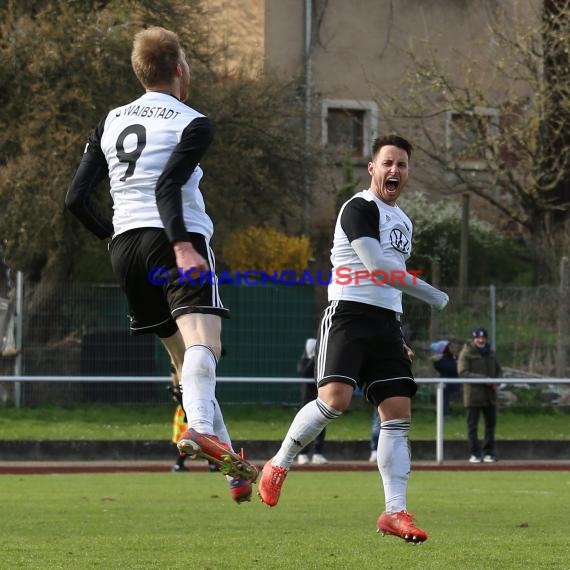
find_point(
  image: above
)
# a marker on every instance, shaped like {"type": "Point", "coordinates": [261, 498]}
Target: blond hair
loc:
{"type": "Point", "coordinates": [156, 52]}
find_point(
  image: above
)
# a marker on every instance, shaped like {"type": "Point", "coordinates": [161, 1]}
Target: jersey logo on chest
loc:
{"type": "Point", "coordinates": [399, 241]}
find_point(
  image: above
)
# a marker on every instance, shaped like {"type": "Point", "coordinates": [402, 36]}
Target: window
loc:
{"type": "Point", "coordinates": [469, 136]}
{"type": "Point", "coordinates": [350, 125]}
{"type": "Point", "coordinates": [346, 129]}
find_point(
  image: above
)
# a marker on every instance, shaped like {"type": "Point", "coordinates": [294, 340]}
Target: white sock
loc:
{"type": "Point", "coordinates": [306, 425]}
{"type": "Point", "coordinates": [394, 462]}
{"type": "Point", "coordinates": [220, 428]}
{"type": "Point", "coordinates": [199, 388]}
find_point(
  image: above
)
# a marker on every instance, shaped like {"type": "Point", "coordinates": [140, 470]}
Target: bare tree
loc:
{"type": "Point", "coordinates": [494, 121]}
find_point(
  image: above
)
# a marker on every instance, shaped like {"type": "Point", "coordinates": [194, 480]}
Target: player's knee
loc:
{"type": "Point", "coordinates": [396, 426]}
{"type": "Point", "coordinates": [336, 395]}
{"type": "Point", "coordinates": [395, 407]}
{"type": "Point", "coordinates": [327, 410]}
{"type": "Point", "coordinates": [200, 360]}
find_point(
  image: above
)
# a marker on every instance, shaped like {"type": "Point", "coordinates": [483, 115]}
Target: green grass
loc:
{"type": "Point", "coordinates": [483, 520]}
{"type": "Point", "coordinates": [257, 422]}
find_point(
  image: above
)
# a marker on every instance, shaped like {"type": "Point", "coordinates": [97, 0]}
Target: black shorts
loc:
{"type": "Point", "coordinates": [363, 345]}
{"type": "Point", "coordinates": [145, 265]}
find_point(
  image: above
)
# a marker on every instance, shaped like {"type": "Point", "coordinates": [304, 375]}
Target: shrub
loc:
{"type": "Point", "coordinates": [266, 249]}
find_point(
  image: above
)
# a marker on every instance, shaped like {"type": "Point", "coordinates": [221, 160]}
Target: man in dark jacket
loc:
{"type": "Point", "coordinates": [478, 360]}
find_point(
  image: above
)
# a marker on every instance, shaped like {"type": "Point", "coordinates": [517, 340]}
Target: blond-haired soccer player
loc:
{"type": "Point", "coordinates": [150, 149]}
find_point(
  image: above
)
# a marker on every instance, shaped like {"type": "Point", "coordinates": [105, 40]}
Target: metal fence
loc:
{"type": "Point", "coordinates": [560, 386]}
{"type": "Point", "coordinates": [80, 330]}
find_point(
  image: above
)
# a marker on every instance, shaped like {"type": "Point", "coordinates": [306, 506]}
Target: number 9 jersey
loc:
{"type": "Point", "coordinates": [150, 149]}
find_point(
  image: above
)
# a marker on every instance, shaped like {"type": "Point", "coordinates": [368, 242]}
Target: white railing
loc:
{"type": "Point", "coordinates": [439, 382]}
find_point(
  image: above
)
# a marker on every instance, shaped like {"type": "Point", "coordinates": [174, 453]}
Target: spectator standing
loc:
{"type": "Point", "coordinates": [445, 363]}
{"type": "Point", "coordinates": [478, 360]}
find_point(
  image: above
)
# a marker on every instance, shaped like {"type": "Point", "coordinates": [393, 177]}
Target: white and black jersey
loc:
{"type": "Point", "coordinates": [364, 215]}
{"type": "Point", "coordinates": [150, 150]}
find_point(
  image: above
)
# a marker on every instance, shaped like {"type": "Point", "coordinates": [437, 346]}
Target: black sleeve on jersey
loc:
{"type": "Point", "coordinates": [91, 170]}
{"type": "Point", "coordinates": [360, 218]}
{"type": "Point", "coordinates": [196, 138]}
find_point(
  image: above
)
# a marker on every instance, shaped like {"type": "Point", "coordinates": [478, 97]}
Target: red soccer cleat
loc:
{"type": "Point", "coordinates": [402, 525]}
{"type": "Point", "coordinates": [272, 479]}
{"type": "Point", "coordinates": [240, 490]}
{"type": "Point", "coordinates": [209, 447]}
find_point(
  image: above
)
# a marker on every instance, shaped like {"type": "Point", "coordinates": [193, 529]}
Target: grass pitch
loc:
{"type": "Point", "coordinates": [247, 422]}
{"type": "Point", "coordinates": [324, 520]}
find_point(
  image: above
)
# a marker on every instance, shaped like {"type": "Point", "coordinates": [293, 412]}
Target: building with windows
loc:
{"type": "Point", "coordinates": [373, 66]}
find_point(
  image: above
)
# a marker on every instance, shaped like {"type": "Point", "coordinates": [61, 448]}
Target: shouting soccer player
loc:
{"type": "Point", "coordinates": [360, 342]}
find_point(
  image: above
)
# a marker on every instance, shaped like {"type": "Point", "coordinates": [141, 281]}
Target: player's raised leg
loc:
{"type": "Point", "coordinates": [307, 424]}
{"type": "Point", "coordinates": [201, 333]}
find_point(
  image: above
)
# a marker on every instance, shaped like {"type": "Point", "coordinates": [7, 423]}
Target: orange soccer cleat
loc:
{"type": "Point", "coordinates": [240, 490]}
{"type": "Point", "coordinates": [402, 525]}
{"type": "Point", "coordinates": [209, 447]}
{"type": "Point", "coordinates": [269, 486]}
